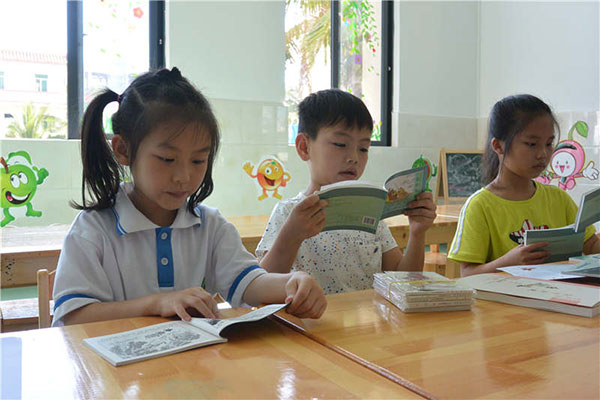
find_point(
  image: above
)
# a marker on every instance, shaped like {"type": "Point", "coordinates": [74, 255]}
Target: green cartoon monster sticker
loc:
{"type": "Point", "coordinates": [19, 180]}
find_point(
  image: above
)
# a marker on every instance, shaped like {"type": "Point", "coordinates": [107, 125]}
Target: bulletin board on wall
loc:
{"type": "Point", "coordinates": [459, 176]}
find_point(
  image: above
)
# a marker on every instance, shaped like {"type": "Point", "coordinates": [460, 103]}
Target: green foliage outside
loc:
{"type": "Point", "coordinates": [35, 123]}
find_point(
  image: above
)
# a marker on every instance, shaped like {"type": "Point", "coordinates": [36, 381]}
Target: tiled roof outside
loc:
{"type": "Point", "coordinates": [32, 57]}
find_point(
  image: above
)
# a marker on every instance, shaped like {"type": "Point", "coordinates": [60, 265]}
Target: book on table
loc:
{"type": "Point", "coordinates": [588, 265]}
{"type": "Point", "coordinates": [422, 291]}
{"type": "Point", "coordinates": [169, 337]}
{"type": "Point", "coordinates": [360, 206]}
{"type": "Point", "coordinates": [563, 297]}
{"type": "Point", "coordinates": [567, 241]}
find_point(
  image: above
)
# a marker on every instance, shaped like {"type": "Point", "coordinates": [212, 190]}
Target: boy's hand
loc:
{"type": "Point", "coordinates": [421, 213]}
{"type": "Point", "coordinates": [182, 303]}
{"type": "Point", "coordinates": [305, 296]}
{"type": "Point", "coordinates": [526, 255]}
{"type": "Point", "coordinates": [307, 218]}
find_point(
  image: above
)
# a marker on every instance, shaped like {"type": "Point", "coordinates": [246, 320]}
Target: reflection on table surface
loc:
{"type": "Point", "coordinates": [493, 351]}
{"type": "Point", "coordinates": [261, 360]}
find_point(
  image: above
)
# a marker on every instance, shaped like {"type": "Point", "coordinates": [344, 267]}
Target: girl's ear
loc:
{"type": "Point", "coordinates": [498, 147]}
{"type": "Point", "coordinates": [303, 146]}
{"type": "Point", "coordinates": [120, 149]}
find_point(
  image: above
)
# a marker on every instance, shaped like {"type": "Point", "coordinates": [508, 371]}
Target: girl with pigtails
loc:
{"type": "Point", "coordinates": [149, 247]}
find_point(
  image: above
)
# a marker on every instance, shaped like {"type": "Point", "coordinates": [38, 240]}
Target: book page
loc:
{"type": "Point", "coordinates": [562, 242]}
{"type": "Point", "coordinates": [151, 341]}
{"type": "Point", "coordinates": [403, 188]}
{"type": "Point", "coordinates": [353, 207]}
{"type": "Point", "coordinates": [543, 271]}
{"type": "Point", "coordinates": [215, 326]}
{"type": "Point", "coordinates": [589, 210]}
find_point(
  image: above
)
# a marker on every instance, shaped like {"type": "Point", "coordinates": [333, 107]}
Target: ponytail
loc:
{"type": "Point", "coordinates": [101, 171]}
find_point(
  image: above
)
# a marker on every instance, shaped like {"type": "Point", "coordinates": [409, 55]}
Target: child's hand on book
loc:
{"type": "Point", "coordinates": [421, 213]}
{"type": "Point", "coordinates": [307, 218]}
{"type": "Point", "coordinates": [185, 302]}
{"type": "Point", "coordinates": [305, 296]}
{"type": "Point", "coordinates": [526, 255]}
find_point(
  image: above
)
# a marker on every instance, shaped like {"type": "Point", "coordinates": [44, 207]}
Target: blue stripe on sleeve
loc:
{"type": "Point", "coordinates": [66, 297]}
{"type": "Point", "coordinates": [237, 281]}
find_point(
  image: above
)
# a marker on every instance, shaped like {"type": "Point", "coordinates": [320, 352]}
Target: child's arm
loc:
{"type": "Point", "coordinates": [179, 303]}
{"type": "Point", "coordinates": [305, 296]}
{"type": "Point", "coordinates": [306, 220]}
{"type": "Point", "coordinates": [520, 255]}
{"type": "Point", "coordinates": [421, 214]}
{"type": "Point", "coordinates": [592, 245]}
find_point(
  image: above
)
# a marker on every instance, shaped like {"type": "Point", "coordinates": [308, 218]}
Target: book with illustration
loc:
{"type": "Point", "coordinates": [567, 242]}
{"type": "Point", "coordinates": [360, 206]}
{"type": "Point", "coordinates": [422, 291]}
{"type": "Point", "coordinates": [169, 337]}
{"type": "Point", "coordinates": [563, 297]}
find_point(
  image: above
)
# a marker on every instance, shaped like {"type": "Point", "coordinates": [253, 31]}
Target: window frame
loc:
{"type": "Point", "coordinates": [386, 73]}
{"type": "Point", "coordinates": [41, 83]}
{"type": "Point", "coordinates": [156, 38]}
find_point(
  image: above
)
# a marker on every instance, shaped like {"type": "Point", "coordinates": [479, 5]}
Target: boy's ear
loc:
{"type": "Point", "coordinates": [498, 146]}
{"type": "Point", "coordinates": [120, 149]}
{"type": "Point", "coordinates": [302, 146]}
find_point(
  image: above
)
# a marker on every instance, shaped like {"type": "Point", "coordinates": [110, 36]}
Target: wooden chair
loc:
{"type": "Point", "coordinates": [434, 260]}
{"type": "Point", "coordinates": [45, 286]}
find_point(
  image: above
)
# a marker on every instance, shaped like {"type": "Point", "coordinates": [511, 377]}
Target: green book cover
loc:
{"type": "Point", "coordinates": [360, 206]}
{"type": "Point", "coordinates": [562, 242]}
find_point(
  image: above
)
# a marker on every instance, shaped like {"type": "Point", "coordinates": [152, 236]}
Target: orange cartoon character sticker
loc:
{"type": "Point", "coordinates": [270, 176]}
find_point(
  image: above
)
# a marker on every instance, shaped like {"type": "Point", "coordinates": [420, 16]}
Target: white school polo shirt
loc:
{"type": "Point", "coordinates": [341, 260]}
{"type": "Point", "coordinates": [118, 254]}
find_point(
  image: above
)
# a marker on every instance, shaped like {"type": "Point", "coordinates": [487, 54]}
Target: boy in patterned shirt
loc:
{"type": "Point", "coordinates": [334, 139]}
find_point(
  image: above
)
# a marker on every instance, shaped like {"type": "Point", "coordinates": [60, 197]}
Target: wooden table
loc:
{"type": "Point", "coordinates": [263, 360]}
{"type": "Point", "coordinates": [24, 250]}
{"type": "Point", "coordinates": [493, 351]}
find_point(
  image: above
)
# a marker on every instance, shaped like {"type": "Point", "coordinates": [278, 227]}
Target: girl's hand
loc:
{"type": "Point", "coordinates": [526, 255]}
{"type": "Point", "coordinates": [307, 218]}
{"type": "Point", "coordinates": [182, 303]}
{"type": "Point", "coordinates": [421, 213]}
{"type": "Point", "coordinates": [305, 296]}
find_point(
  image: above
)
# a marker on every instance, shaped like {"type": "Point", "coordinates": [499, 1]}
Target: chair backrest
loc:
{"type": "Point", "coordinates": [45, 286]}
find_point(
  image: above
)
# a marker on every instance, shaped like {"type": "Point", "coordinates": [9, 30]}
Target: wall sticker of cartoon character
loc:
{"type": "Point", "coordinates": [568, 161]}
{"type": "Point", "coordinates": [270, 175]}
{"type": "Point", "coordinates": [19, 180]}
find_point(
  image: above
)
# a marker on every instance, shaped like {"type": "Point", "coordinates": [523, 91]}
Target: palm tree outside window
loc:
{"type": "Point", "coordinates": [343, 44]}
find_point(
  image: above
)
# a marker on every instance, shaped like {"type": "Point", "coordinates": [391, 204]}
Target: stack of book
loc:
{"type": "Point", "coordinates": [422, 291]}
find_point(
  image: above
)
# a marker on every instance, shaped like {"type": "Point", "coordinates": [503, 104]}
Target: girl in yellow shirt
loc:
{"type": "Point", "coordinates": [493, 220]}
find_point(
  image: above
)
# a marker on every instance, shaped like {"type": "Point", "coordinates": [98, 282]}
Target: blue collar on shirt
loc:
{"type": "Point", "coordinates": [129, 219]}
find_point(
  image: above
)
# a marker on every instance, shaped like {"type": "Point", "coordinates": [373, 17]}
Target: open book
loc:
{"type": "Point", "coordinates": [567, 241]}
{"type": "Point", "coordinates": [359, 205]}
{"type": "Point", "coordinates": [563, 297]}
{"type": "Point", "coordinates": [587, 266]}
{"type": "Point", "coordinates": [169, 337]}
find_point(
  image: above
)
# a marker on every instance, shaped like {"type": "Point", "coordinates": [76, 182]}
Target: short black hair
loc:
{"type": "Point", "coordinates": [330, 107]}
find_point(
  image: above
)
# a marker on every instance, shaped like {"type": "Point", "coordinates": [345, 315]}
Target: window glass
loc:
{"type": "Point", "coordinates": [33, 59]}
{"type": "Point", "coordinates": [308, 41]}
{"type": "Point", "coordinates": [360, 55]}
{"type": "Point", "coordinates": [41, 82]}
{"type": "Point", "coordinates": [115, 47]}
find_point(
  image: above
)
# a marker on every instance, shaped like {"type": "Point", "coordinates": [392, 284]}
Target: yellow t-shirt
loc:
{"type": "Point", "coordinates": [490, 226]}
